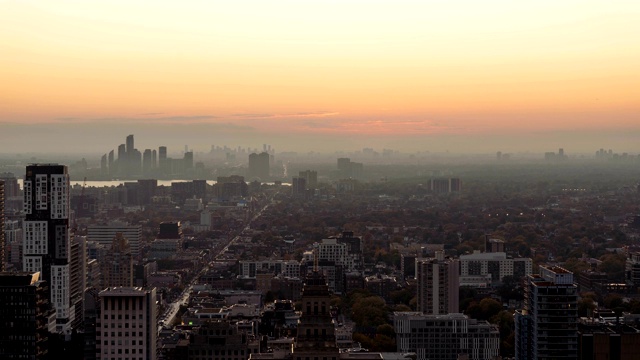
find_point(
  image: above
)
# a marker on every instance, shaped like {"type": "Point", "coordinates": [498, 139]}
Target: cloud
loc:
{"type": "Point", "coordinates": [144, 120]}
{"type": "Point", "coordinates": [319, 114]}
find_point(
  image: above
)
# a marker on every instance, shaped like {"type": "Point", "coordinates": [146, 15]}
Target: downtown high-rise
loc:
{"type": "Point", "coordinates": [547, 326]}
{"type": "Point", "coordinates": [46, 246]}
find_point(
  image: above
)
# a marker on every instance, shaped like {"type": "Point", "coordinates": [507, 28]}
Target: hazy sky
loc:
{"type": "Point", "coordinates": [414, 75]}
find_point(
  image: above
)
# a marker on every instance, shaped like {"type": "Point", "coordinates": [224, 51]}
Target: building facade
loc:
{"type": "Point", "coordinates": [46, 246]}
{"type": "Point", "coordinates": [492, 265]}
{"type": "Point", "coordinates": [104, 235]}
{"type": "Point", "coordinates": [126, 328]}
{"type": "Point", "coordinates": [437, 285]}
{"type": "Point", "coordinates": [547, 326]}
{"type": "Point", "coordinates": [445, 337]}
{"type": "Point", "coordinates": [117, 264]}
{"type": "Point", "coordinates": [24, 316]}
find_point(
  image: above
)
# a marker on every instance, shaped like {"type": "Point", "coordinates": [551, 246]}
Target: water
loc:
{"type": "Point", "coordinates": [109, 183]}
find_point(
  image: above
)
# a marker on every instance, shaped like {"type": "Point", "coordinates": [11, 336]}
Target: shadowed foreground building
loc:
{"type": "Point", "coordinates": [126, 328]}
{"type": "Point", "coordinates": [445, 337]}
{"type": "Point", "coordinates": [24, 316]}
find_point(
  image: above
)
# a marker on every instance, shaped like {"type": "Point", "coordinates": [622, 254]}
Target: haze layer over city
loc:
{"type": "Point", "coordinates": [319, 180]}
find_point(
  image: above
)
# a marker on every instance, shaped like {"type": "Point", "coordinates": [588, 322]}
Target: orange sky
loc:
{"type": "Point", "coordinates": [325, 67]}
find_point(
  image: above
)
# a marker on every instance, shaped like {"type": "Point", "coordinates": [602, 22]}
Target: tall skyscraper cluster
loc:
{"type": "Point", "coordinates": [150, 162]}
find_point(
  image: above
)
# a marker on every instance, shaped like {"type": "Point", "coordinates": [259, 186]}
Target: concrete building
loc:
{"type": "Point", "coordinates": [495, 265]}
{"type": "Point", "coordinates": [632, 271]}
{"type": "Point", "coordinates": [126, 328]}
{"type": "Point", "coordinates": [221, 340]}
{"type": "Point", "coordinates": [438, 285]}
{"type": "Point", "coordinates": [117, 264]}
{"type": "Point", "coordinates": [601, 339]}
{"type": "Point", "coordinates": [345, 250]}
{"type": "Point", "coordinates": [46, 235]}
{"type": "Point", "coordinates": [104, 235]}
{"type": "Point", "coordinates": [547, 326]}
{"type": "Point", "coordinates": [249, 268]}
{"type": "Point", "coordinates": [445, 337]}
{"type": "Point", "coordinates": [24, 316]}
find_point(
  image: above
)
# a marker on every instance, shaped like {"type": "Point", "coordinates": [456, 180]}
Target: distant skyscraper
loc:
{"type": "Point", "coordinates": [130, 146]}
{"type": "Point", "coordinates": [188, 160]}
{"type": "Point", "coordinates": [122, 155]}
{"type": "Point", "coordinates": [298, 186]}
{"type": "Point", "coordinates": [259, 166]}
{"type": "Point", "coordinates": [154, 159]}
{"type": "Point", "coordinates": [46, 234]}
{"type": "Point", "coordinates": [547, 326]}
{"type": "Point", "coordinates": [103, 165]}
{"type": "Point", "coordinates": [438, 285]}
{"type": "Point", "coordinates": [163, 164]}
{"type": "Point", "coordinates": [146, 161]}
{"type": "Point", "coordinates": [126, 328]}
{"type": "Point", "coordinates": [311, 178]}
{"type": "Point", "coordinates": [111, 162]}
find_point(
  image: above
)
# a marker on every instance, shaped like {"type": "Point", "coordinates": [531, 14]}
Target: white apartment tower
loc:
{"type": "Point", "coordinates": [46, 246]}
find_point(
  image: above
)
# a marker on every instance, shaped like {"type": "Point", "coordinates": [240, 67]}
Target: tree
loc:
{"type": "Point", "coordinates": [269, 297]}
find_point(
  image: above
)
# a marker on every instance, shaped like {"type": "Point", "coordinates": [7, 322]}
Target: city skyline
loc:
{"type": "Point", "coordinates": [436, 76]}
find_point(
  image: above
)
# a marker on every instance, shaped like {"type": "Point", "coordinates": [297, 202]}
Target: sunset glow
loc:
{"type": "Point", "coordinates": [324, 67]}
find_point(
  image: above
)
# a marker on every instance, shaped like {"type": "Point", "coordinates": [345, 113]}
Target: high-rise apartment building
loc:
{"type": "Point", "coordinates": [126, 328]}
{"type": "Point", "coordinates": [310, 177]}
{"type": "Point", "coordinates": [298, 187]}
{"type": "Point", "coordinates": [46, 246]}
{"type": "Point", "coordinates": [24, 316]}
{"type": "Point", "coordinates": [438, 285]}
{"type": "Point", "coordinates": [259, 165]}
{"type": "Point", "coordinates": [117, 264]}
{"type": "Point", "coordinates": [547, 326]}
